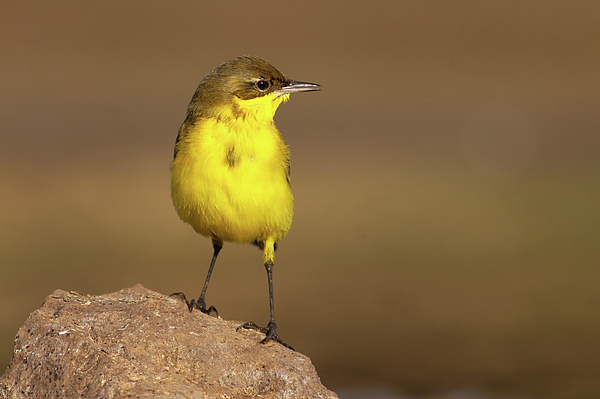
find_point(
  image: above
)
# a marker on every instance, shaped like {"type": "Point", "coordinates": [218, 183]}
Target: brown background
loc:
{"type": "Point", "coordinates": [447, 180]}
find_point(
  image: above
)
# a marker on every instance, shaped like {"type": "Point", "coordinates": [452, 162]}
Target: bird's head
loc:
{"type": "Point", "coordinates": [245, 86]}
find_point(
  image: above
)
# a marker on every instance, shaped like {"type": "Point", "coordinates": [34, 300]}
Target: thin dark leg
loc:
{"type": "Point", "coordinates": [271, 329]}
{"type": "Point", "coordinates": [216, 249]}
{"type": "Point", "coordinates": [269, 267]}
{"type": "Point", "coordinates": [200, 304]}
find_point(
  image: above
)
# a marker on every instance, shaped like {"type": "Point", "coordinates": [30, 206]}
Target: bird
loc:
{"type": "Point", "coordinates": [230, 174]}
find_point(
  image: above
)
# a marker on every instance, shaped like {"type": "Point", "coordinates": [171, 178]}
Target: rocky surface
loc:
{"type": "Point", "coordinates": [139, 343]}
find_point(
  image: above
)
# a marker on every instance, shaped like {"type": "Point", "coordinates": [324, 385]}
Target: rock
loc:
{"type": "Point", "coordinates": [139, 343]}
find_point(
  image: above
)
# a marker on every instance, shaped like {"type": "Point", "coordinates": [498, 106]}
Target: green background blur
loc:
{"type": "Point", "coordinates": [447, 180]}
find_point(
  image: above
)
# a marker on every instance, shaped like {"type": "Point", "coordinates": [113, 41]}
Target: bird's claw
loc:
{"type": "Point", "coordinates": [270, 330]}
{"type": "Point", "coordinates": [199, 304]}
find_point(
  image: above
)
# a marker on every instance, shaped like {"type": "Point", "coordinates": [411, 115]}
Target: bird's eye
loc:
{"type": "Point", "coordinates": [262, 85]}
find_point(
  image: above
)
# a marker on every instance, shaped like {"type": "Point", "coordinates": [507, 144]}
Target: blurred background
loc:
{"type": "Point", "coordinates": [446, 241]}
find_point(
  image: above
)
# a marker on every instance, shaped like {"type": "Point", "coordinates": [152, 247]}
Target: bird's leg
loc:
{"type": "Point", "coordinates": [200, 304]}
{"type": "Point", "coordinates": [271, 329]}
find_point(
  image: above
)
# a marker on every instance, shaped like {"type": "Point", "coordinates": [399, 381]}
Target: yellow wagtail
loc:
{"type": "Point", "coordinates": [230, 177]}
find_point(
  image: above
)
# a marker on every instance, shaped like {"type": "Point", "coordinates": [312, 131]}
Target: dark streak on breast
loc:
{"type": "Point", "coordinates": [231, 156]}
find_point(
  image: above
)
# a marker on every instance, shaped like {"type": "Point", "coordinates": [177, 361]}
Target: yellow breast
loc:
{"type": "Point", "coordinates": [229, 179]}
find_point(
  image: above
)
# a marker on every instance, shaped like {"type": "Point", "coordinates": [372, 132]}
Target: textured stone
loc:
{"type": "Point", "coordinates": [139, 343]}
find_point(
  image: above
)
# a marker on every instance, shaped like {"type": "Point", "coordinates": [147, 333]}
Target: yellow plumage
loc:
{"type": "Point", "coordinates": [230, 177]}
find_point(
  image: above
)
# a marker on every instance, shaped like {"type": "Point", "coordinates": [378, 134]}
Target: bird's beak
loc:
{"type": "Point", "coordinates": [297, 87]}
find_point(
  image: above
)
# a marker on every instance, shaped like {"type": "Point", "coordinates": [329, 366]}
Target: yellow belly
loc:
{"type": "Point", "coordinates": [229, 181]}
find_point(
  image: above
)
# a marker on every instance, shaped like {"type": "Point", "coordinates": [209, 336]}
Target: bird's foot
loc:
{"type": "Point", "coordinates": [200, 304]}
{"type": "Point", "coordinates": [270, 330]}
